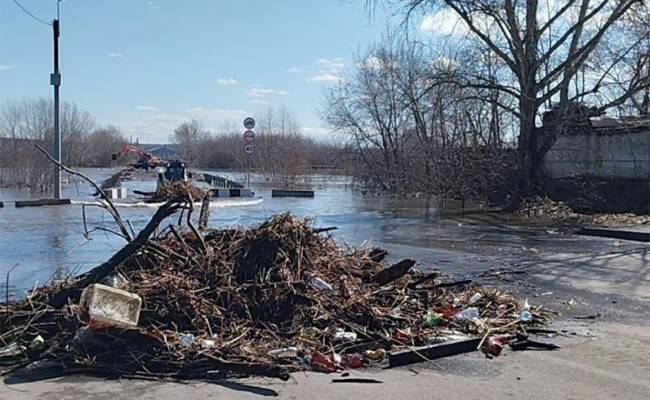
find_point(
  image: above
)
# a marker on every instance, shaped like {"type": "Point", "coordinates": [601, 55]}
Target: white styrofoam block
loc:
{"type": "Point", "coordinates": [105, 305]}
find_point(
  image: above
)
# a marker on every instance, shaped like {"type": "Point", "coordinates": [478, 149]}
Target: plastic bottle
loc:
{"type": "Point", "coordinates": [468, 314]}
{"type": "Point", "coordinates": [476, 297]}
{"type": "Point", "coordinates": [526, 316]}
{"type": "Point", "coordinates": [319, 283]}
{"type": "Point", "coordinates": [187, 340]}
{"type": "Point", "coordinates": [431, 319]}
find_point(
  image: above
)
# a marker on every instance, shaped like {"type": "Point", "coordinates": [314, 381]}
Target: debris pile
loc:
{"type": "Point", "coordinates": [545, 209]}
{"type": "Point", "coordinates": [177, 190]}
{"type": "Point", "coordinates": [266, 301]}
{"type": "Point", "coordinates": [620, 219]}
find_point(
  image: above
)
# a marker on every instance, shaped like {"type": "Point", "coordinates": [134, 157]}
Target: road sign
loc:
{"type": "Point", "coordinates": [249, 123]}
{"type": "Point", "coordinates": [249, 136]}
{"type": "Point", "coordinates": [249, 148]}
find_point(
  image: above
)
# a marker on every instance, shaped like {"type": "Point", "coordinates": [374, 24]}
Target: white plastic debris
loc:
{"type": "Point", "coordinates": [476, 297]}
{"type": "Point", "coordinates": [468, 314]}
{"type": "Point", "coordinates": [342, 336]}
{"type": "Point", "coordinates": [319, 283]}
{"type": "Point", "coordinates": [285, 352]}
{"type": "Point", "coordinates": [105, 305]}
{"type": "Point", "coordinates": [11, 350]}
{"type": "Point", "coordinates": [188, 340]}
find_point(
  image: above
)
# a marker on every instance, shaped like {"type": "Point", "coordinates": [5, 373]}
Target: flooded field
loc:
{"type": "Point", "coordinates": [43, 242]}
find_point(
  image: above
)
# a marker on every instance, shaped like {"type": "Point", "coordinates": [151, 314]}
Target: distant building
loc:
{"type": "Point", "coordinates": [165, 151]}
{"type": "Point", "coordinates": [606, 148]}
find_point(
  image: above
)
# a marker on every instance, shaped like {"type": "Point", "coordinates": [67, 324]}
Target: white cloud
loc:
{"type": "Point", "coordinates": [444, 22]}
{"type": "Point", "coordinates": [330, 70]}
{"type": "Point", "coordinates": [282, 92]}
{"type": "Point", "coordinates": [152, 6]}
{"type": "Point", "coordinates": [147, 108]}
{"type": "Point", "coordinates": [261, 102]}
{"type": "Point", "coordinates": [332, 64]}
{"type": "Point", "coordinates": [258, 92]}
{"type": "Point", "coordinates": [264, 92]}
{"type": "Point", "coordinates": [227, 81]}
{"type": "Point", "coordinates": [116, 55]}
{"type": "Point", "coordinates": [326, 78]}
{"type": "Point", "coordinates": [7, 67]}
{"type": "Point", "coordinates": [294, 70]}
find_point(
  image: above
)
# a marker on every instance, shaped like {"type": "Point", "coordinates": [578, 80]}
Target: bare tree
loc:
{"type": "Point", "coordinates": [189, 135]}
{"type": "Point", "coordinates": [24, 122]}
{"type": "Point", "coordinates": [545, 45]}
{"type": "Point", "coordinates": [102, 144]}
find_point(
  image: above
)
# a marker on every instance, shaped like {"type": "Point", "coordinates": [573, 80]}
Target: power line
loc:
{"type": "Point", "coordinates": [30, 14]}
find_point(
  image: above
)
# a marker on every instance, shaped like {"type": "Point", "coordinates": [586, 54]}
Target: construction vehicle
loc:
{"type": "Point", "coordinates": [173, 171]}
{"type": "Point", "coordinates": [145, 160]}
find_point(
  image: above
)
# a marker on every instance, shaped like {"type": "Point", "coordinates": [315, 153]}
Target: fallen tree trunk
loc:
{"type": "Point", "coordinates": [393, 273]}
{"type": "Point", "coordinates": [96, 274]}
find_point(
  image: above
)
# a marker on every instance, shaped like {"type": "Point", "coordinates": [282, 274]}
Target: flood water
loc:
{"type": "Point", "coordinates": [46, 242]}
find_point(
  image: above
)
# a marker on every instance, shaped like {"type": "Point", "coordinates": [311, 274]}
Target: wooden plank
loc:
{"type": "Point", "coordinates": [41, 202]}
{"type": "Point", "coordinates": [425, 353]}
{"type": "Point", "coordinates": [291, 193]}
{"type": "Point", "coordinates": [615, 234]}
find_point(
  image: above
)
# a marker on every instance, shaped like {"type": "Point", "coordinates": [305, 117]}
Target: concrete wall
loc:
{"type": "Point", "coordinates": [620, 155]}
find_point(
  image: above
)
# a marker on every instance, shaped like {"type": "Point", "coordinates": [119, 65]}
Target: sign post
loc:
{"type": "Point", "coordinates": [249, 147]}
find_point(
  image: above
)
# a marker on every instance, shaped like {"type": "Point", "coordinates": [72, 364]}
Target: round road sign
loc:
{"type": "Point", "coordinates": [249, 148]}
{"type": "Point", "coordinates": [249, 136]}
{"type": "Point", "coordinates": [249, 123]}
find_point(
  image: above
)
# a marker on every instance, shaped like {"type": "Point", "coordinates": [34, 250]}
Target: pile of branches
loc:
{"type": "Point", "coordinates": [177, 190]}
{"type": "Point", "coordinates": [281, 297]}
{"type": "Point", "coordinates": [545, 209]}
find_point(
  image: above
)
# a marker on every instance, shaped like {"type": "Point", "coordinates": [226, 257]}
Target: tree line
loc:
{"type": "Point", "coordinates": [29, 121]}
{"type": "Point", "coordinates": [282, 150]}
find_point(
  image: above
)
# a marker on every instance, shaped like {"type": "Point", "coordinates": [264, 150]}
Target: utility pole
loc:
{"type": "Point", "coordinates": [55, 80]}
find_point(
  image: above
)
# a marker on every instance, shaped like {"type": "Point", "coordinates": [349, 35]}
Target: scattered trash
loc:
{"type": "Point", "coordinates": [11, 350]}
{"type": "Point", "coordinates": [495, 344]}
{"type": "Point", "coordinates": [115, 280]}
{"type": "Point", "coordinates": [468, 314]}
{"type": "Point", "coordinates": [187, 340]}
{"type": "Point", "coordinates": [342, 336]}
{"type": "Point", "coordinates": [475, 297]}
{"type": "Point", "coordinates": [431, 319]}
{"type": "Point", "coordinates": [286, 352]}
{"type": "Point", "coordinates": [321, 363]}
{"type": "Point", "coordinates": [375, 355]}
{"type": "Point", "coordinates": [319, 283]}
{"type": "Point", "coordinates": [351, 361]}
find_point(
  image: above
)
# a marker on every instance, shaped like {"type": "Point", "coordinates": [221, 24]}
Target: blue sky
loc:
{"type": "Point", "coordinates": [146, 66]}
